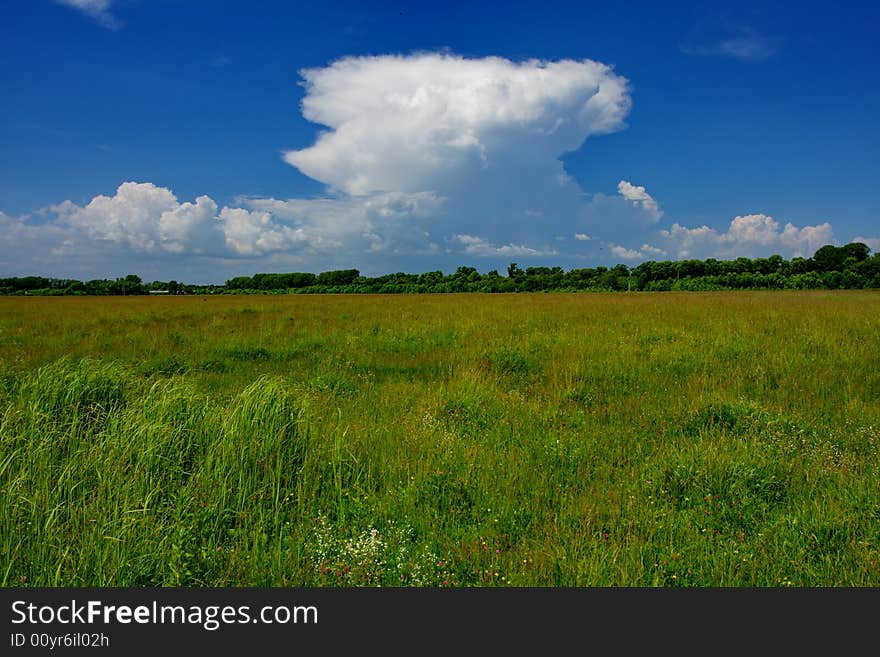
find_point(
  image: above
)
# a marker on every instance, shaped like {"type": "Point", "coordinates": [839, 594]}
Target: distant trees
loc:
{"type": "Point", "coordinates": [848, 266]}
{"type": "Point", "coordinates": [272, 281]}
{"type": "Point", "coordinates": [829, 258]}
{"type": "Point", "coordinates": [833, 258]}
{"type": "Point", "coordinates": [338, 277]}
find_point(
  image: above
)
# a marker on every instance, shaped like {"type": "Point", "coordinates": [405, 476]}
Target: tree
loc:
{"type": "Point", "coordinates": [430, 278]}
{"type": "Point", "coordinates": [338, 277]}
{"type": "Point", "coordinates": [239, 283]}
{"type": "Point", "coordinates": [856, 250]}
{"type": "Point", "coordinates": [469, 274]}
{"type": "Point", "coordinates": [829, 258]}
{"type": "Point", "coordinates": [799, 265]}
{"type": "Point", "coordinates": [131, 284]}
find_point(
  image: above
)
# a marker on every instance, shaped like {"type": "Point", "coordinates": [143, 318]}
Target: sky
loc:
{"type": "Point", "coordinates": [198, 140]}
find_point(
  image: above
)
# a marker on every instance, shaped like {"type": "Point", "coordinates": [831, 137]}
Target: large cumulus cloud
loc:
{"type": "Point", "coordinates": [146, 218]}
{"type": "Point", "coordinates": [486, 135]}
{"type": "Point", "coordinates": [424, 122]}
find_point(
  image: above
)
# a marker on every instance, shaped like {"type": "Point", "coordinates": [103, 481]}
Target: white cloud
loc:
{"type": "Point", "coordinates": [129, 217]}
{"type": "Point", "coordinates": [143, 221]}
{"type": "Point", "coordinates": [624, 253]}
{"type": "Point", "coordinates": [144, 218]}
{"type": "Point", "coordinates": [392, 221]}
{"type": "Point", "coordinates": [650, 250]}
{"type": "Point", "coordinates": [644, 252]}
{"type": "Point", "coordinates": [807, 240]}
{"type": "Point", "coordinates": [750, 235]}
{"type": "Point", "coordinates": [640, 198]}
{"type": "Point", "coordinates": [463, 142]}
{"type": "Point", "coordinates": [410, 123]}
{"type": "Point", "coordinates": [872, 242]}
{"type": "Point", "coordinates": [480, 246]}
{"type": "Point", "coordinates": [97, 9]}
{"type": "Point", "coordinates": [256, 233]}
{"type": "Point", "coordinates": [187, 225]}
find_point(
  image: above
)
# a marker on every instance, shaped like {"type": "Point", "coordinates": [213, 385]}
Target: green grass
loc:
{"type": "Point", "coordinates": [701, 439]}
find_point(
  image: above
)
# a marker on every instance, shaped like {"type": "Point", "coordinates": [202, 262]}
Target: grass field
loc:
{"type": "Point", "coordinates": [672, 439]}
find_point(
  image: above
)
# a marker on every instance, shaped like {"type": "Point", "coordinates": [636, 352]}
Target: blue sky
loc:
{"type": "Point", "coordinates": [204, 139]}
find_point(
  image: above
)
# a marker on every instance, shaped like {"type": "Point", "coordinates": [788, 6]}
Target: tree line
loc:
{"type": "Point", "coordinates": [831, 267]}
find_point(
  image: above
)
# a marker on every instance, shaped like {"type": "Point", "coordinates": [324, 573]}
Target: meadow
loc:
{"type": "Point", "coordinates": [584, 439]}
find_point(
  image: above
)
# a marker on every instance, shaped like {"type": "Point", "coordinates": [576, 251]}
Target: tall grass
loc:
{"type": "Point", "coordinates": [588, 440]}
